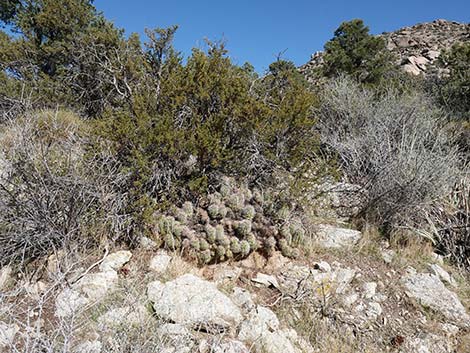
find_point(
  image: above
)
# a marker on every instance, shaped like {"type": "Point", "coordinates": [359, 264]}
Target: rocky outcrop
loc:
{"type": "Point", "coordinates": [329, 236]}
{"type": "Point", "coordinates": [417, 47]}
{"type": "Point", "coordinates": [92, 286]}
{"type": "Point", "coordinates": [430, 292]}
{"type": "Point", "coordinates": [194, 302]}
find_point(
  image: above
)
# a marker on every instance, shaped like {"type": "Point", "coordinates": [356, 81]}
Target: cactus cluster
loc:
{"type": "Point", "coordinates": [232, 223]}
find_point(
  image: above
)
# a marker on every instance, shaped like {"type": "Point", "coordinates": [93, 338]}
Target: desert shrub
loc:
{"type": "Point", "coordinates": [454, 87]}
{"type": "Point", "coordinates": [208, 118]}
{"type": "Point", "coordinates": [394, 146]}
{"type": "Point", "coordinates": [449, 224]}
{"type": "Point", "coordinates": [52, 189]}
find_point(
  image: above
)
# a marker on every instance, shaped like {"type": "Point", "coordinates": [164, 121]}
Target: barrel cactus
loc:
{"type": "Point", "coordinates": [220, 236]}
{"type": "Point", "coordinates": [210, 234]}
{"type": "Point", "coordinates": [244, 248]}
{"type": "Point", "coordinates": [248, 212]}
{"type": "Point", "coordinates": [243, 228]}
{"type": "Point", "coordinates": [235, 245]}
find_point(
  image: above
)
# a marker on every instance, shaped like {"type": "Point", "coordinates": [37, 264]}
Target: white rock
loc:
{"type": "Point", "coordinates": [125, 316]}
{"type": "Point", "coordinates": [427, 343]}
{"type": "Point", "coordinates": [431, 292]}
{"type": "Point", "coordinates": [412, 69]}
{"type": "Point", "coordinates": [230, 347]}
{"type": "Point", "coordinates": [266, 280]}
{"type": "Point", "coordinates": [442, 274]}
{"type": "Point", "coordinates": [259, 322]}
{"type": "Point", "coordinates": [160, 262]}
{"type": "Point", "coordinates": [369, 289]}
{"type": "Point", "coordinates": [276, 342]}
{"type": "Point", "coordinates": [343, 278]}
{"type": "Point", "coordinates": [114, 261]}
{"type": "Point", "coordinates": [242, 298]}
{"type": "Point", "coordinates": [419, 61]}
{"type": "Point", "coordinates": [388, 255]}
{"type": "Point", "coordinates": [322, 266]}
{"type": "Point", "coordinates": [5, 277]}
{"type": "Point", "coordinates": [334, 237]}
{"type": "Point", "coordinates": [173, 330]}
{"type": "Point", "coordinates": [432, 54]}
{"type": "Point", "coordinates": [7, 334]}
{"type": "Point", "coordinates": [449, 329]}
{"type": "Point", "coordinates": [374, 310]}
{"type": "Point", "coordinates": [69, 302]}
{"type": "Point", "coordinates": [192, 301]}
{"type": "Point", "coordinates": [437, 258]}
{"type": "Point", "coordinates": [350, 299]}
{"type": "Point", "coordinates": [96, 285]}
{"type": "Point", "coordinates": [147, 244]}
{"type": "Point", "coordinates": [89, 347]}
{"type": "Point", "coordinates": [90, 288]}
{"type": "Point", "coordinates": [224, 273]}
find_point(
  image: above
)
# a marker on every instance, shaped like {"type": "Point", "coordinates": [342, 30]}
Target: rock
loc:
{"type": "Point", "coordinates": [265, 280]}
{"type": "Point", "coordinates": [403, 42]}
{"type": "Point", "coordinates": [334, 237]}
{"type": "Point", "coordinates": [322, 266]}
{"type": "Point", "coordinates": [350, 299]}
{"type": "Point", "coordinates": [277, 342]}
{"type": "Point", "coordinates": [388, 255]}
{"type": "Point", "coordinates": [342, 278]}
{"type": "Point", "coordinates": [429, 291]}
{"type": "Point", "coordinates": [69, 302]}
{"type": "Point", "coordinates": [96, 285]}
{"type": "Point", "coordinates": [173, 330]}
{"type": "Point", "coordinates": [374, 310]}
{"type": "Point", "coordinates": [259, 322]}
{"type": "Point", "coordinates": [160, 262]}
{"type": "Point", "coordinates": [226, 273]}
{"type": "Point", "coordinates": [261, 330]}
{"type": "Point", "coordinates": [418, 61]}
{"type": "Point", "coordinates": [442, 274]}
{"type": "Point", "coordinates": [243, 299]}
{"type": "Point", "coordinates": [90, 288]}
{"type": "Point", "coordinates": [369, 289]}
{"type": "Point", "coordinates": [88, 347]}
{"type": "Point", "coordinates": [5, 277]}
{"type": "Point", "coordinates": [7, 334]}
{"type": "Point", "coordinates": [427, 343]}
{"type": "Point", "coordinates": [147, 243]}
{"type": "Point", "coordinates": [124, 317]}
{"type": "Point", "coordinates": [411, 69]}
{"type": "Point", "coordinates": [192, 301]}
{"type": "Point", "coordinates": [449, 329]}
{"type": "Point", "coordinates": [432, 54]}
{"type": "Point", "coordinates": [114, 261]}
{"type": "Point", "coordinates": [230, 347]}
{"type": "Point", "coordinates": [437, 258]}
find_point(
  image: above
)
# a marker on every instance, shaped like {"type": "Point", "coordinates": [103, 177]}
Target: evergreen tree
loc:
{"type": "Point", "coordinates": [355, 52]}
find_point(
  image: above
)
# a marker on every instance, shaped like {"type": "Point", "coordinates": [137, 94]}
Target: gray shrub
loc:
{"type": "Point", "coordinates": [394, 145]}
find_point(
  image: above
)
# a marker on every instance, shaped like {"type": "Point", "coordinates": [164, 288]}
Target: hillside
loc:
{"type": "Point", "coordinates": [151, 202]}
{"type": "Point", "coordinates": [416, 47]}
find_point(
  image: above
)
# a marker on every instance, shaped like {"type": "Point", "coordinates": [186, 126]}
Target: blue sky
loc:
{"type": "Point", "coordinates": [257, 30]}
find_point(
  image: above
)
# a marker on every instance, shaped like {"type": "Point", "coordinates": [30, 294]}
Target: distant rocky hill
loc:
{"type": "Point", "coordinates": [417, 47]}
